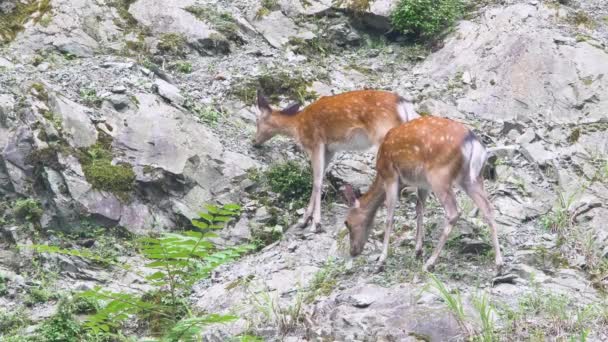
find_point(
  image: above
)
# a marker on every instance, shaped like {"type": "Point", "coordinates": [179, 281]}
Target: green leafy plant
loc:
{"type": "Point", "coordinates": [223, 22]}
{"type": "Point", "coordinates": [90, 98]}
{"type": "Point", "coordinates": [291, 180]}
{"type": "Point", "coordinates": [425, 19]}
{"type": "Point", "coordinates": [184, 67]}
{"type": "Point", "coordinates": [180, 260]}
{"type": "Point", "coordinates": [174, 44]}
{"type": "Point", "coordinates": [27, 209]}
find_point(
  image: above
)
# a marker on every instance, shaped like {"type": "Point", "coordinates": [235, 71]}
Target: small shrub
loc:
{"type": "Point", "coordinates": [291, 180]}
{"type": "Point", "coordinates": [293, 86]}
{"type": "Point", "coordinates": [62, 327]}
{"type": "Point", "coordinates": [580, 18]}
{"type": "Point", "coordinates": [173, 44]}
{"type": "Point", "coordinates": [90, 98]}
{"type": "Point", "coordinates": [184, 67]}
{"type": "Point", "coordinates": [266, 6]}
{"type": "Point", "coordinates": [425, 19]}
{"type": "Point", "coordinates": [37, 295]}
{"type": "Point", "coordinates": [122, 7]}
{"type": "Point", "coordinates": [27, 209]}
{"type": "Point", "coordinates": [223, 22]}
{"type": "Point", "coordinates": [40, 91]}
{"type": "Point", "coordinates": [11, 321]}
{"type": "Point", "coordinates": [3, 288]}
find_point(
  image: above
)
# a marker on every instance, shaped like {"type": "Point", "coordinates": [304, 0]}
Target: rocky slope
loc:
{"type": "Point", "coordinates": [132, 114]}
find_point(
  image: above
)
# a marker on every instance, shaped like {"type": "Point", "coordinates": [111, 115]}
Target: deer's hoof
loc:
{"type": "Point", "coordinates": [317, 228]}
{"type": "Point", "coordinates": [419, 254]}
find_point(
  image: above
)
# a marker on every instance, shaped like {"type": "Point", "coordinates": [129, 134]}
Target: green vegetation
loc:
{"type": "Point", "coordinates": [314, 47]}
{"type": "Point", "coordinates": [12, 23]}
{"type": "Point", "coordinates": [266, 6]}
{"type": "Point", "coordinates": [223, 22]}
{"type": "Point", "coordinates": [208, 114]}
{"type": "Point", "coordinates": [356, 6]}
{"type": "Point", "coordinates": [425, 19]}
{"type": "Point", "coordinates": [40, 91]}
{"type": "Point", "coordinates": [99, 171]}
{"type": "Point", "coordinates": [580, 18]}
{"type": "Point", "coordinates": [560, 218]}
{"type": "Point", "coordinates": [291, 180]}
{"type": "Point", "coordinates": [293, 86]}
{"type": "Point", "coordinates": [179, 260]}
{"type": "Point", "coordinates": [325, 280]}
{"type": "Point", "coordinates": [184, 67]}
{"type": "Point", "coordinates": [27, 209]}
{"type": "Point", "coordinates": [12, 321]}
{"type": "Point", "coordinates": [286, 318]}
{"type": "Point", "coordinates": [173, 44]}
{"type": "Point", "coordinates": [90, 98]}
{"type": "Point", "coordinates": [122, 7]}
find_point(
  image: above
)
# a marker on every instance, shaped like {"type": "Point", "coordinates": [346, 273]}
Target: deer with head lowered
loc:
{"type": "Point", "coordinates": [428, 153]}
{"type": "Point", "coordinates": [351, 121]}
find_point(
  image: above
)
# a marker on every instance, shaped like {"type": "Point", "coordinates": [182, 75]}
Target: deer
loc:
{"type": "Point", "coordinates": [350, 121]}
{"type": "Point", "coordinates": [430, 154]}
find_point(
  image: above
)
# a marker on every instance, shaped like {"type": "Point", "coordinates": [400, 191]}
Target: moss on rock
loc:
{"type": "Point", "coordinates": [12, 23]}
{"type": "Point", "coordinates": [293, 86]}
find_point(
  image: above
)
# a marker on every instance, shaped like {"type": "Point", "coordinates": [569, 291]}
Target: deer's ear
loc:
{"type": "Point", "coordinates": [292, 109]}
{"type": "Point", "coordinates": [350, 195]}
{"type": "Point", "coordinates": [263, 105]}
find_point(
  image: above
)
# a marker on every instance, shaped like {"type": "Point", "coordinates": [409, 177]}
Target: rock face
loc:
{"type": "Point", "coordinates": [86, 84]}
{"type": "Point", "coordinates": [530, 70]}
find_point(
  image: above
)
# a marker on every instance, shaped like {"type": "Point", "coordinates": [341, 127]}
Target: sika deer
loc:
{"type": "Point", "coordinates": [429, 153]}
{"type": "Point", "coordinates": [351, 121]}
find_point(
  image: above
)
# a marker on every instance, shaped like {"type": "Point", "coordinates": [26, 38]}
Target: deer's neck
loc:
{"type": "Point", "coordinates": [372, 200]}
{"type": "Point", "coordinates": [287, 125]}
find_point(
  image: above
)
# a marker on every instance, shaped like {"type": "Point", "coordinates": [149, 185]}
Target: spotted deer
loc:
{"type": "Point", "coordinates": [428, 153]}
{"type": "Point", "coordinates": [351, 121]}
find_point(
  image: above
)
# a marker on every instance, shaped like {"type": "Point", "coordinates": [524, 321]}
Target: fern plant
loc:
{"type": "Point", "coordinates": [179, 261]}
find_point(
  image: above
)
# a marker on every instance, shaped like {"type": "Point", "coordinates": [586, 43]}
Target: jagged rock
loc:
{"type": "Point", "coordinates": [75, 121]}
{"type": "Point", "coordinates": [170, 16]}
{"type": "Point", "coordinates": [169, 92]}
{"type": "Point", "coordinates": [312, 7]}
{"type": "Point", "coordinates": [523, 72]}
{"type": "Point", "coordinates": [76, 27]}
{"type": "Point", "coordinates": [439, 108]}
{"type": "Point", "coordinates": [384, 318]}
{"type": "Point", "coordinates": [354, 170]}
{"type": "Point", "coordinates": [342, 35]}
{"type": "Point", "coordinates": [7, 106]}
{"type": "Point", "coordinates": [277, 29]}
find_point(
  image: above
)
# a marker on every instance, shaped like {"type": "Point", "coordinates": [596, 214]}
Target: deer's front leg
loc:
{"type": "Point", "coordinates": [318, 171]}
{"type": "Point", "coordinates": [392, 195]}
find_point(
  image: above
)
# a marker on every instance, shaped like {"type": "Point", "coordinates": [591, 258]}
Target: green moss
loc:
{"type": "Point", "coordinates": [117, 179]}
{"type": "Point", "coordinates": [12, 23]}
{"type": "Point", "coordinates": [90, 98]}
{"type": "Point", "coordinates": [40, 91]}
{"type": "Point", "coordinates": [293, 86]}
{"type": "Point", "coordinates": [223, 22]}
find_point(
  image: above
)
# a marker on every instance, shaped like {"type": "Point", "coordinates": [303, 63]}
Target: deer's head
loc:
{"type": "Point", "coordinates": [269, 121]}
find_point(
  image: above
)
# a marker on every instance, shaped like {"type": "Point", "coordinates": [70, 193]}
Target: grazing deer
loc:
{"type": "Point", "coordinates": [429, 153]}
{"type": "Point", "coordinates": [351, 121]}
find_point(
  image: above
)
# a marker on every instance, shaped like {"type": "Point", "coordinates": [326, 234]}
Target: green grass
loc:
{"type": "Point", "coordinates": [275, 85]}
